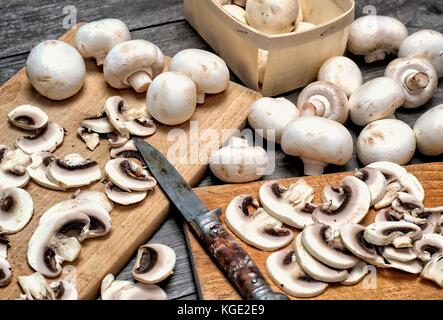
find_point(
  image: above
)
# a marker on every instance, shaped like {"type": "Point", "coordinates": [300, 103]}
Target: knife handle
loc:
{"type": "Point", "coordinates": [232, 259]}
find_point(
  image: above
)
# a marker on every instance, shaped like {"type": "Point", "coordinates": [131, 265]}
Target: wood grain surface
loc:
{"type": "Point", "coordinates": [390, 284]}
{"type": "Point", "coordinates": [133, 225]}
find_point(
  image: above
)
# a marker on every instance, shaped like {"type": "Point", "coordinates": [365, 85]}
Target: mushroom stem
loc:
{"type": "Point", "coordinates": [140, 81]}
{"type": "Point", "coordinates": [375, 56]}
{"type": "Point", "coordinates": [313, 108]}
{"type": "Point", "coordinates": [100, 58]}
{"type": "Point", "coordinates": [417, 81]}
{"type": "Point", "coordinates": [313, 168]}
{"type": "Point", "coordinates": [201, 97]}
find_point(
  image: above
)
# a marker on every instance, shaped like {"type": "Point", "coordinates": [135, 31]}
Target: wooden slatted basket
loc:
{"type": "Point", "coordinates": [293, 58]}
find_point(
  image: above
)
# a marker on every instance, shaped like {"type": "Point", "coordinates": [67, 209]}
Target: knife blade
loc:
{"type": "Point", "coordinates": [230, 257]}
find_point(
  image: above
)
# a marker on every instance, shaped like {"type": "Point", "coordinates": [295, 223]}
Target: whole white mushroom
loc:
{"type": "Point", "coordinates": [429, 132]}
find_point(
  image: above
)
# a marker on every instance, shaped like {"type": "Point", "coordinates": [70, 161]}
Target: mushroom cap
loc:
{"type": "Point", "coordinates": [343, 72]}
{"type": "Point", "coordinates": [376, 182]}
{"type": "Point", "coordinates": [258, 228]}
{"type": "Point", "coordinates": [376, 99]}
{"type": "Point", "coordinates": [129, 175]}
{"type": "Point", "coordinates": [401, 68]}
{"type": "Point", "coordinates": [48, 138]}
{"type": "Point", "coordinates": [356, 274]}
{"type": "Point", "coordinates": [130, 57]}
{"type": "Point", "coordinates": [426, 44]}
{"type": "Point", "coordinates": [123, 197]}
{"type": "Point", "coordinates": [237, 12]}
{"type": "Point", "coordinates": [127, 290]}
{"type": "Point", "coordinates": [270, 117]}
{"type": "Point", "coordinates": [5, 272]}
{"type": "Point", "coordinates": [28, 117]}
{"type": "Point", "coordinates": [37, 170]}
{"type": "Point", "coordinates": [155, 263]}
{"type": "Point", "coordinates": [208, 71]}
{"type": "Point", "coordinates": [285, 272]}
{"type": "Point", "coordinates": [172, 98]}
{"type": "Point", "coordinates": [272, 16]}
{"type": "Point", "coordinates": [429, 246]}
{"type": "Point", "coordinates": [318, 139]}
{"type": "Point", "coordinates": [55, 69]}
{"type": "Point", "coordinates": [333, 100]}
{"type": "Point", "coordinates": [390, 232]}
{"type": "Point", "coordinates": [386, 140]}
{"type": "Point", "coordinates": [428, 130]}
{"type": "Point", "coordinates": [97, 38]}
{"type": "Point", "coordinates": [16, 210]}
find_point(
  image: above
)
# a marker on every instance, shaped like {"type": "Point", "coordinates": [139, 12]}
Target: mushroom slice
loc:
{"type": "Point", "coordinates": [315, 268]}
{"type": "Point", "coordinates": [392, 191]}
{"type": "Point", "coordinates": [5, 272]}
{"type": "Point", "coordinates": [37, 170]}
{"type": "Point", "coordinates": [128, 150]}
{"type": "Point", "coordinates": [155, 263]}
{"type": "Point", "coordinates": [36, 287]}
{"type": "Point", "coordinates": [127, 290]}
{"type": "Point", "coordinates": [398, 254]}
{"type": "Point", "coordinates": [97, 197]}
{"type": "Point", "coordinates": [129, 175]}
{"type": "Point", "coordinates": [290, 205]}
{"type": "Point", "coordinates": [16, 209]}
{"type": "Point", "coordinates": [429, 246]}
{"type": "Point", "coordinates": [57, 240]}
{"type": "Point", "coordinates": [47, 138]}
{"type": "Point", "coordinates": [142, 127]}
{"type": "Point", "coordinates": [376, 182]}
{"type": "Point", "coordinates": [255, 226]}
{"type": "Point", "coordinates": [73, 171]}
{"type": "Point", "coordinates": [64, 290]}
{"type": "Point", "coordinates": [28, 117]}
{"type": "Point", "coordinates": [283, 269]}
{"type": "Point", "coordinates": [91, 139]}
{"type": "Point", "coordinates": [399, 233]}
{"type": "Point", "coordinates": [356, 274]}
{"type": "Point", "coordinates": [114, 108]}
{"type": "Point", "coordinates": [408, 204]}
{"type": "Point", "coordinates": [4, 246]}
{"type": "Point", "coordinates": [98, 124]}
{"type": "Point", "coordinates": [388, 215]}
{"type": "Point", "coordinates": [433, 270]}
{"type": "Point", "coordinates": [325, 245]}
{"type": "Point", "coordinates": [116, 140]}
{"type": "Point", "coordinates": [123, 197]}
{"type": "Point", "coordinates": [332, 197]}
{"type": "Point", "coordinates": [354, 208]}
{"type": "Point", "coordinates": [414, 266]}
{"type": "Point", "coordinates": [13, 168]}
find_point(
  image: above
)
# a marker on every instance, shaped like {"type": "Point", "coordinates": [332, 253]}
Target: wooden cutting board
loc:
{"type": "Point", "coordinates": [391, 284]}
{"type": "Point", "coordinates": [133, 225]}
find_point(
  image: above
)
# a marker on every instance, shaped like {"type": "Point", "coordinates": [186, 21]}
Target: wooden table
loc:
{"type": "Point", "coordinates": [23, 24]}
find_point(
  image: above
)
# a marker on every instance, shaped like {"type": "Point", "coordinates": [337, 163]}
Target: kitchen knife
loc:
{"type": "Point", "coordinates": [230, 257]}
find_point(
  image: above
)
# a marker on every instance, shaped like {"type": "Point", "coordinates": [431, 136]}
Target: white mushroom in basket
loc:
{"type": "Point", "coordinates": [133, 64]}
{"type": "Point", "coordinates": [28, 117]}
{"type": "Point", "coordinates": [324, 99]}
{"type": "Point", "coordinates": [376, 36]}
{"type": "Point", "coordinates": [318, 142]}
{"type": "Point", "coordinates": [376, 182]}
{"type": "Point", "coordinates": [13, 168]}
{"type": "Point", "coordinates": [255, 226]}
{"type": "Point", "coordinates": [343, 72]}
{"type": "Point", "coordinates": [112, 289]}
{"type": "Point", "coordinates": [237, 12]}
{"type": "Point", "coordinates": [16, 210]}
{"type": "Point", "coordinates": [155, 263]}
{"type": "Point", "coordinates": [97, 38]}
{"type": "Point", "coordinates": [401, 234]}
{"type": "Point", "coordinates": [129, 175]}
{"type": "Point", "coordinates": [47, 138]}
{"type": "Point", "coordinates": [208, 71]}
{"type": "Point", "coordinates": [55, 69]}
{"type": "Point", "coordinates": [428, 130]}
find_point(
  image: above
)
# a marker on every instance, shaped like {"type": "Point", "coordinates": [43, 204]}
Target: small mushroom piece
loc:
{"type": "Point", "coordinates": [129, 175]}
{"type": "Point", "coordinates": [16, 210]}
{"type": "Point", "coordinates": [133, 64]}
{"type": "Point", "coordinates": [418, 77]}
{"type": "Point", "coordinates": [64, 290]}
{"type": "Point", "coordinates": [116, 140]}
{"type": "Point", "coordinates": [314, 268]}
{"type": "Point", "coordinates": [272, 16]}
{"type": "Point", "coordinates": [324, 99]}
{"type": "Point", "coordinates": [123, 197]}
{"type": "Point", "coordinates": [425, 44]}
{"type": "Point", "coordinates": [414, 266]}
{"type": "Point", "coordinates": [172, 98]}
{"type": "Point", "coordinates": [392, 191]}
{"type": "Point", "coordinates": [28, 117]}
{"type": "Point", "coordinates": [376, 99]}
{"type": "Point", "coordinates": [355, 206]}
{"type": "Point", "coordinates": [399, 233]}
{"type": "Point", "coordinates": [155, 263]}
{"type": "Point", "coordinates": [5, 272]}
{"type": "Point", "coordinates": [428, 129]}
{"type": "Point", "coordinates": [208, 71]}
{"type": "Point", "coordinates": [13, 168]}
{"type": "Point", "coordinates": [236, 12]}
{"type": "Point", "coordinates": [386, 140]}
{"type": "Point", "coordinates": [343, 72]}
{"type": "Point", "coordinates": [290, 205]}
{"type": "Point", "coordinates": [73, 171]}
{"type": "Point", "coordinates": [56, 70]}
{"type": "Point", "coordinates": [318, 142]}
{"type": "Point", "coordinates": [376, 182]}
{"type": "Point", "coordinates": [128, 150]}
{"type": "Point", "coordinates": [127, 290]}
{"type": "Point", "coordinates": [46, 139]}
{"type": "Point", "coordinates": [269, 117]}
{"type": "Point", "coordinates": [91, 139]}
{"type": "Point", "coordinates": [35, 287]}
{"type": "Point", "coordinates": [429, 246]}
{"type": "Point", "coordinates": [255, 226]}
{"type": "Point", "coordinates": [432, 271]}
{"type": "Point", "coordinates": [97, 38]}
{"type": "Point", "coordinates": [376, 36]}
{"type": "Point", "coordinates": [356, 274]}
{"type": "Point", "coordinates": [398, 254]}
{"type": "Point", "coordinates": [325, 245]}
{"type": "Point", "coordinates": [283, 269]}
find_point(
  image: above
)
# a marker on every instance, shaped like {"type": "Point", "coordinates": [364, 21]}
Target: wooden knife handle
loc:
{"type": "Point", "coordinates": [235, 262]}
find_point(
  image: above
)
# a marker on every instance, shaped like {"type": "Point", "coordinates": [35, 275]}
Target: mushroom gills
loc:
{"type": "Point", "coordinates": [155, 263]}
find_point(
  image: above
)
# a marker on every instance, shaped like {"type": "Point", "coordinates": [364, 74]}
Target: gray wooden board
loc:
{"type": "Point", "coordinates": [25, 23]}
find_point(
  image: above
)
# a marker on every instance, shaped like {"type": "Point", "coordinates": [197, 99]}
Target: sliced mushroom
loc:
{"type": "Point", "coordinates": [354, 208]}
{"type": "Point", "coordinates": [123, 197]}
{"type": "Point", "coordinates": [64, 290]}
{"type": "Point", "coordinates": [128, 150]}
{"type": "Point", "coordinates": [290, 205]}
{"type": "Point", "coordinates": [332, 197]}
{"type": "Point", "coordinates": [127, 290]}
{"type": "Point", "coordinates": [407, 204]}
{"type": "Point", "coordinates": [91, 139]}
{"type": "Point", "coordinates": [255, 226]}
{"type": "Point", "coordinates": [5, 272]}
{"type": "Point", "coordinates": [356, 274]}
{"type": "Point", "coordinates": [98, 124]}
{"type": "Point", "coordinates": [414, 266]}
{"type": "Point", "coordinates": [13, 168]}
{"type": "Point", "coordinates": [4, 246]}
{"type": "Point", "coordinates": [398, 254]}
{"type": "Point", "coordinates": [73, 172]}
{"type": "Point", "coordinates": [155, 263]}
{"type": "Point", "coordinates": [129, 175]}
{"type": "Point", "coordinates": [392, 191]}
{"type": "Point", "coordinates": [28, 117]}
{"type": "Point", "coordinates": [93, 196]}
{"type": "Point", "coordinates": [433, 270]}
{"type": "Point", "coordinates": [116, 140]}
{"type": "Point", "coordinates": [283, 269]}
{"type": "Point", "coordinates": [388, 215]}
{"type": "Point", "coordinates": [16, 209]}
{"type": "Point", "coordinates": [429, 246]}
{"type": "Point", "coordinates": [399, 233]}
{"type": "Point", "coordinates": [46, 139]}
{"type": "Point", "coordinates": [376, 182]}
{"type": "Point", "coordinates": [35, 287]}
{"type": "Point", "coordinates": [37, 170]}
